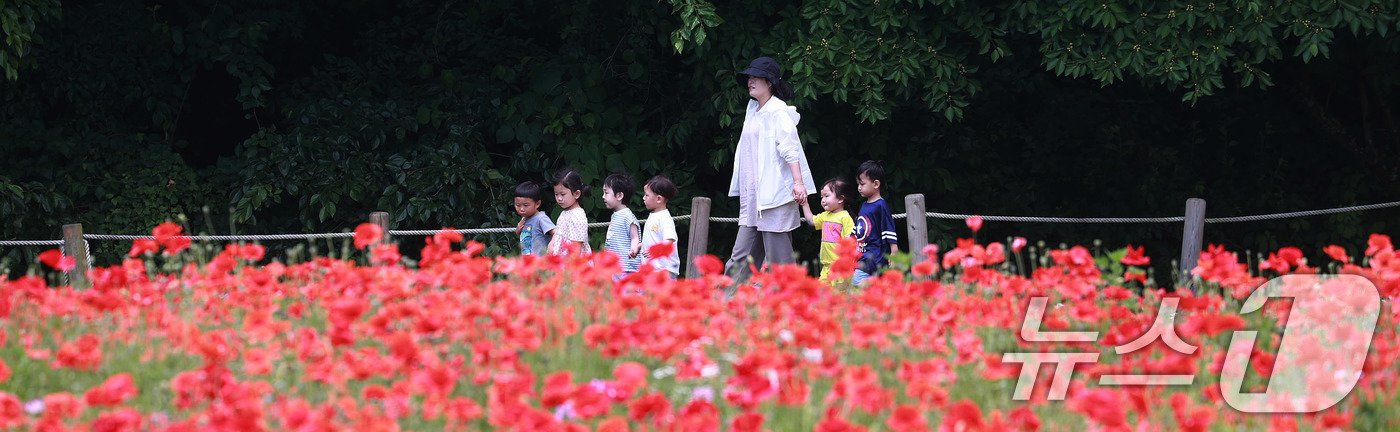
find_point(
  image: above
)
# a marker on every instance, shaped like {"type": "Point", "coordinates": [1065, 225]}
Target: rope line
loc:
{"type": "Point", "coordinates": [240, 237]}
{"type": "Point", "coordinates": [31, 242]}
{"type": "Point", "coordinates": [1304, 213]}
{"type": "Point", "coordinates": [953, 216]}
{"type": "Point", "coordinates": [1047, 219]}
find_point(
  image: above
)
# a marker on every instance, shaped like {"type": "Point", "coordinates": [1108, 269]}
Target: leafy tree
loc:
{"type": "Point", "coordinates": [18, 20]}
{"type": "Point", "coordinates": [295, 116]}
{"type": "Point", "coordinates": [874, 54]}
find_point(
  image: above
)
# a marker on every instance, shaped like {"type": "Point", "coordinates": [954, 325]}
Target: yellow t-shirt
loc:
{"type": "Point", "coordinates": [834, 227]}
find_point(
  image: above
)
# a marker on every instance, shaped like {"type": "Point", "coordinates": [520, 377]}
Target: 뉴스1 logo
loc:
{"type": "Point", "coordinates": [1325, 341]}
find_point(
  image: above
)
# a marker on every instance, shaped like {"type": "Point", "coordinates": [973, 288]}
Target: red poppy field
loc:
{"type": "Point", "coordinates": [459, 341]}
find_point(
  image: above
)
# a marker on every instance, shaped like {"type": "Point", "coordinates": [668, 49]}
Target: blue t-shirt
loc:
{"type": "Point", "coordinates": [875, 234]}
{"type": "Point", "coordinates": [534, 238]}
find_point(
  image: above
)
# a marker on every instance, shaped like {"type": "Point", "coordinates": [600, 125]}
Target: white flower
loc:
{"type": "Point", "coordinates": [785, 335]}
{"type": "Point", "coordinates": [710, 370]}
{"type": "Point", "coordinates": [663, 372]}
{"type": "Point", "coordinates": [702, 393]}
{"type": "Point", "coordinates": [565, 411]}
{"type": "Point", "coordinates": [34, 407]}
{"type": "Point", "coordinates": [813, 355]}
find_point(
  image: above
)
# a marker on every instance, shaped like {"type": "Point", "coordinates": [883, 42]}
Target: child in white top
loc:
{"type": "Point", "coordinates": [572, 228]}
{"type": "Point", "coordinates": [659, 228]}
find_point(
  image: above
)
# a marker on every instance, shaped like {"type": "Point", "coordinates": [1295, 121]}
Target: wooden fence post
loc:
{"type": "Point", "coordinates": [382, 219]}
{"type": "Point", "coordinates": [1192, 235]}
{"type": "Point", "coordinates": [917, 227]}
{"type": "Point", "coordinates": [698, 242]}
{"type": "Point", "coordinates": [74, 246]}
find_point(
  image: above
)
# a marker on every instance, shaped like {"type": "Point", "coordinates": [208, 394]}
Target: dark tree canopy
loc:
{"type": "Point", "coordinates": [304, 116]}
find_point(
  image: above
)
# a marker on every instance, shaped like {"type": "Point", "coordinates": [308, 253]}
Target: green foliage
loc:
{"type": "Point", "coordinates": [18, 21]}
{"type": "Point", "coordinates": [295, 117]}
{"type": "Point", "coordinates": [873, 55]}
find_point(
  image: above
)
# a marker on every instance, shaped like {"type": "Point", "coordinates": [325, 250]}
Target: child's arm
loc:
{"type": "Point", "coordinates": [636, 235]}
{"type": "Point", "coordinates": [889, 235]}
{"type": "Point", "coordinates": [807, 214]}
{"type": "Point", "coordinates": [520, 226]}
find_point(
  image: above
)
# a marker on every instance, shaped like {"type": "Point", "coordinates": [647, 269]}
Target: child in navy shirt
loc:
{"type": "Point", "coordinates": [875, 231]}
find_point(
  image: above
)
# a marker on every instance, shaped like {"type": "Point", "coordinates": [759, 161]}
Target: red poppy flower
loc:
{"type": "Point", "coordinates": [55, 259]}
{"type": "Point", "coordinates": [1191, 418]}
{"type": "Point", "coordinates": [630, 377]}
{"type": "Point", "coordinates": [925, 268]}
{"type": "Point", "coordinates": [1378, 243]}
{"type": "Point", "coordinates": [85, 353]}
{"type": "Point", "coordinates": [62, 405]}
{"type": "Point", "coordinates": [699, 415]}
{"type": "Point", "coordinates": [447, 235]}
{"type": "Point", "coordinates": [653, 405]}
{"type": "Point", "coordinates": [143, 246]}
{"type": "Point", "coordinates": [963, 415]}
{"type": "Point", "coordinates": [1337, 253]}
{"type": "Point", "coordinates": [385, 254]}
{"type": "Point", "coordinates": [835, 424]}
{"type": "Point", "coordinates": [463, 410]}
{"type": "Point", "coordinates": [907, 418]}
{"type": "Point", "coordinates": [709, 265]}
{"type": "Point", "coordinates": [11, 411]}
{"type": "Point", "coordinates": [1024, 419]}
{"type": "Point", "coordinates": [661, 249]}
{"type": "Point", "coordinates": [1140, 277]}
{"type": "Point", "coordinates": [613, 424]}
{"type": "Point", "coordinates": [367, 234]}
{"type": "Point", "coordinates": [122, 420]}
{"type": "Point", "coordinates": [1104, 406]}
{"type": "Point", "coordinates": [169, 235]}
{"type": "Point", "coordinates": [116, 390]}
{"type": "Point", "coordinates": [1135, 257]}
{"type": "Point", "coordinates": [747, 422]}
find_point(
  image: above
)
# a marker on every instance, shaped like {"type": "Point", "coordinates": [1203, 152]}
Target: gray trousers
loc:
{"type": "Point", "coordinates": [762, 247]}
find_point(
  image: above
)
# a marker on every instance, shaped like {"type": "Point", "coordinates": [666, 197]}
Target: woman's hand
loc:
{"type": "Point", "coordinates": [799, 193]}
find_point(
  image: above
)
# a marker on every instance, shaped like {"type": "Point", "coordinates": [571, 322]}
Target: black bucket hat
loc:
{"type": "Point", "coordinates": [762, 67]}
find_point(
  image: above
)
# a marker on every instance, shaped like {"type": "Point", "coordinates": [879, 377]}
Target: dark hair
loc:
{"type": "Point", "coordinates": [663, 186]}
{"type": "Point", "coordinates": [530, 190]}
{"type": "Point", "coordinates": [621, 184]}
{"type": "Point", "coordinates": [781, 89]}
{"type": "Point", "coordinates": [873, 170]}
{"type": "Point", "coordinates": [570, 178]}
{"type": "Point", "coordinates": [844, 189]}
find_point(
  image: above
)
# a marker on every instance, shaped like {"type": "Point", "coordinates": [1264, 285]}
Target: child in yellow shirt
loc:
{"type": "Point", "coordinates": [834, 223]}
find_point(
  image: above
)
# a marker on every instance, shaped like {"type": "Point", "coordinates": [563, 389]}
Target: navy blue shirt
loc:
{"type": "Point", "coordinates": [875, 234]}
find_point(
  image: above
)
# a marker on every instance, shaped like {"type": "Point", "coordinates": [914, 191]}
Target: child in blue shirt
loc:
{"type": "Point", "coordinates": [875, 231]}
{"type": "Point", "coordinates": [534, 228]}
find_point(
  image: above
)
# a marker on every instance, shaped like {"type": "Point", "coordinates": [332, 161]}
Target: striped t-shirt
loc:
{"type": "Point", "coordinates": [620, 239]}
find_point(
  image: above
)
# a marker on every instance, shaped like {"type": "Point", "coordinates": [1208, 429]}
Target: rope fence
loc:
{"type": "Point", "coordinates": [735, 220]}
{"type": "Point", "coordinates": [76, 241]}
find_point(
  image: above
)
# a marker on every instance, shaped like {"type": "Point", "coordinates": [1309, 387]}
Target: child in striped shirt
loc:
{"type": "Point", "coordinates": [624, 231]}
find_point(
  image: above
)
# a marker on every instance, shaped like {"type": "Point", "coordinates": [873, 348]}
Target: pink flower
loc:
{"type": "Point", "coordinates": [974, 223]}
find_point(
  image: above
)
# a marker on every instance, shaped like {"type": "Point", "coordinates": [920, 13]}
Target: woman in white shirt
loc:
{"type": "Point", "coordinates": [771, 176]}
